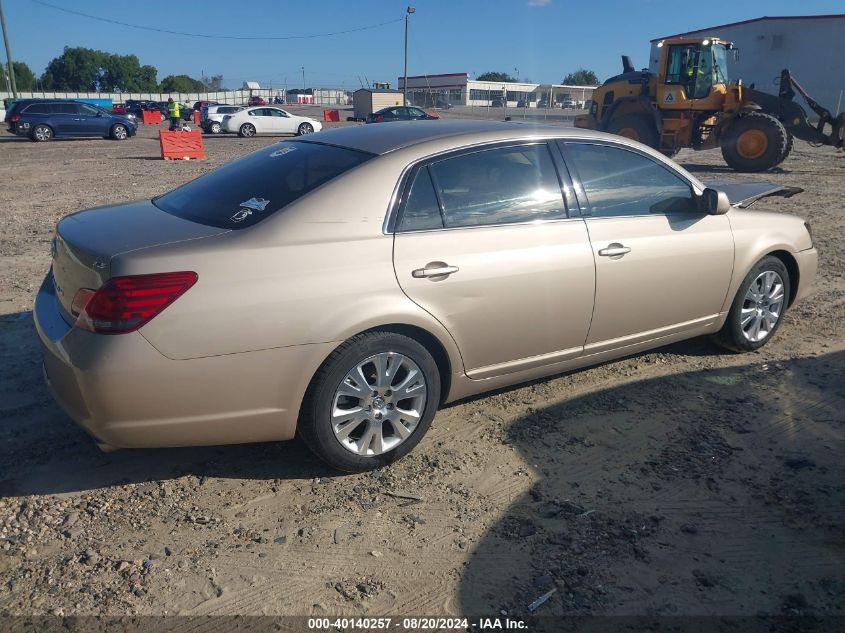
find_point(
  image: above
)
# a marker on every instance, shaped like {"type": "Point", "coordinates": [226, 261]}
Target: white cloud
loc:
{"type": "Point", "coordinates": [539, 3]}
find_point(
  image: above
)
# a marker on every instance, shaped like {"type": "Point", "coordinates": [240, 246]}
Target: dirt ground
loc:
{"type": "Point", "coordinates": [686, 481]}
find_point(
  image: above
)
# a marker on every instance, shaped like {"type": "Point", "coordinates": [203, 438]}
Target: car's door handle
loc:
{"type": "Point", "coordinates": [614, 250]}
{"type": "Point", "coordinates": [434, 269]}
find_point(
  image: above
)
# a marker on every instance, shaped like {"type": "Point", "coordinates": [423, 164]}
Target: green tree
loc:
{"type": "Point", "coordinates": [494, 76]}
{"type": "Point", "coordinates": [75, 69]}
{"type": "Point", "coordinates": [213, 83]}
{"type": "Point", "coordinates": [124, 73]}
{"type": "Point", "coordinates": [24, 77]}
{"type": "Point", "coordinates": [86, 69]}
{"type": "Point", "coordinates": [581, 77]}
{"type": "Point", "coordinates": [181, 83]}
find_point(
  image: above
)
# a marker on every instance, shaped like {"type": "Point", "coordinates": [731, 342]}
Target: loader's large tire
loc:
{"type": "Point", "coordinates": [637, 127]}
{"type": "Point", "coordinates": [755, 142]}
{"type": "Point", "coordinates": [790, 141]}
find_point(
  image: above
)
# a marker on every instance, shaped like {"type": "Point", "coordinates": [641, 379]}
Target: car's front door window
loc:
{"type": "Point", "coordinates": [619, 182]}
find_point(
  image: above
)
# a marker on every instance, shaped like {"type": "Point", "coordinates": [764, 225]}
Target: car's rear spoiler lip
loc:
{"type": "Point", "coordinates": [743, 194]}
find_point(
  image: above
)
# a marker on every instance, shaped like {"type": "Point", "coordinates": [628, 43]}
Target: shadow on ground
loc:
{"type": "Point", "coordinates": [715, 492]}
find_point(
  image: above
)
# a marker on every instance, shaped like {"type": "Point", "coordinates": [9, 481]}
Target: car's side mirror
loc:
{"type": "Point", "coordinates": [715, 202]}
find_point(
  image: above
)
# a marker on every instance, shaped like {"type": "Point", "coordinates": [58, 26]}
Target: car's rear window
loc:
{"type": "Point", "coordinates": [246, 191]}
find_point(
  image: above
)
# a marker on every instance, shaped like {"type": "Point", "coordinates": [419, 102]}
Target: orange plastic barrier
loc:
{"type": "Point", "coordinates": [196, 117]}
{"type": "Point", "coordinates": [330, 116]}
{"type": "Point", "coordinates": [181, 145]}
{"type": "Point", "coordinates": [151, 116]}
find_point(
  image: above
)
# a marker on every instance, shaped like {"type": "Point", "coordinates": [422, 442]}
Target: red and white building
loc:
{"type": "Point", "coordinates": [459, 89]}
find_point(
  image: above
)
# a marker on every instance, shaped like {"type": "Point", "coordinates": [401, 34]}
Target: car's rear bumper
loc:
{"type": "Point", "coordinates": [126, 394]}
{"type": "Point", "coordinates": [808, 264]}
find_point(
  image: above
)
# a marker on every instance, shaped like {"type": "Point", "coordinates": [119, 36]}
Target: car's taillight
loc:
{"type": "Point", "coordinates": [379, 117]}
{"type": "Point", "coordinates": [124, 304]}
{"type": "Point", "coordinates": [15, 118]}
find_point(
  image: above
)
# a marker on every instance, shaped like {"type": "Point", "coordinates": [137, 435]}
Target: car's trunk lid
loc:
{"type": "Point", "coordinates": [744, 194]}
{"type": "Point", "coordinates": [86, 242]}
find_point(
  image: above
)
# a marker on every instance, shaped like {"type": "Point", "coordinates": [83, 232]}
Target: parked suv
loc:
{"type": "Point", "coordinates": [211, 116]}
{"type": "Point", "coordinates": [44, 119]}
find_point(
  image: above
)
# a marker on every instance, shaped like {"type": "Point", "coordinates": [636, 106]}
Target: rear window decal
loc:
{"type": "Point", "coordinates": [256, 204]}
{"type": "Point", "coordinates": [282, 151]}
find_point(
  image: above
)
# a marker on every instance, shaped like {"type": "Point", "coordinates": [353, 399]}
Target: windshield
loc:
{"type": "Point", "coordinates": [246, 191]}
{"type": "Point", "coordinates": [720, 64]}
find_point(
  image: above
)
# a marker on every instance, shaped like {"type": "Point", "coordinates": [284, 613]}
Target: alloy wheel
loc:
{"type": "Point", "coordinates": [378, 404]}
{"type": "Point", "coordinates": [762, 306]}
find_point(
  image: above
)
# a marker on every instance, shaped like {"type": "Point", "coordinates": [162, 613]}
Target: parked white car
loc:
{"type": "Point", "coordinates": [268, 120]}
{"type": "Point", "coordinates": [211, 117]}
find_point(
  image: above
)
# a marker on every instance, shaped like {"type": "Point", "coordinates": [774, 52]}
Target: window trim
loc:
{"type": "Point", "coordinates": [400, 196]}
{"type": "Point", "coordinates": [581, 194]}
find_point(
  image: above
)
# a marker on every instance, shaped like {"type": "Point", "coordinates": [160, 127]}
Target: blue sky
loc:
{"type": "Point", "coordinates": [539, 39]}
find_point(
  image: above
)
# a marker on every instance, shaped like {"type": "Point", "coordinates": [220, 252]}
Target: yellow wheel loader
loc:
{"type": "Point", "coordinates": [691, 102]}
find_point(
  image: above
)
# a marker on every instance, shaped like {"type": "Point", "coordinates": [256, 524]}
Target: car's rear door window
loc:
{"type": "Point", "coordinates": [39, 108]}
{"type": "Point", "coordinates": [621, 182]}
{"type": "Point", "coordinates": [421, 211]}
{"type": "Point", "coordinates": [499, 186]}
{"type": "Point", "coordinates": [248, 190]}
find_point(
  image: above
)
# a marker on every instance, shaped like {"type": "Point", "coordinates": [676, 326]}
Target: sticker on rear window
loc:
{"type": "Point", "coordinates": [282, 151]}
{"type": "Point", "coordinates": [253, 204]}
{"type": "Point", "coordinates": [256, 204]}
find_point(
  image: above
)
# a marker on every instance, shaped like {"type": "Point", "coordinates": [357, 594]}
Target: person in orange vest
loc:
{"type": "Point", "coordinates": [173, 113]}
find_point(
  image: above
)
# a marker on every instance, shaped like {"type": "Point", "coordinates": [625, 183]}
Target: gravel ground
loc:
{"type": "Point", "coordinates": [686, 481]}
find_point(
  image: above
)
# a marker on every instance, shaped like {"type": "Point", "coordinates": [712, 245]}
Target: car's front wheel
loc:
{"type": "Point", "coordinates": [119, 132]}
{"type": "Point", "coordinates": [247, 130]}
{"type": "Point", "coordinates": [370, 402]}
{"type": "Point", "coordinates": [214, 127]}
{"type": "Point", "coordinates": [758, 307]}
{"type": "Point", "coordinates": [41, 133]}
{"type": "Point", "coordinates": [305, 128]}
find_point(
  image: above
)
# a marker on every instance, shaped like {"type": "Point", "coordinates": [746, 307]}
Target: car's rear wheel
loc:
{"type": "Point", "coordinates": [119, 132]}
{"type": "Point", "coordinates": [370, 402]}
{"type": "Point", "coordinates": [247, 129]}
{"type": "Point", "coordinates": [305, 128]}
{"type": "Point", "coordinates": [41, 133]}
{"type": "Point", "coordinates": [758, 307]}
{"type": "Point", "coordinates": [214, 128]}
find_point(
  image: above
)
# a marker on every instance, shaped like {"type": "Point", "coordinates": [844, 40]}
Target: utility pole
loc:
{"type": "Point", "coordinates": [408, 13]}
{"type": "Point", "coordinates": [303, 79]}
{"type": "Point", "coordinates": [8, 52]}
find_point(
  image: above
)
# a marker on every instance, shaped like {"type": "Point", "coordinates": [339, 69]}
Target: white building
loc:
{"type": "Point", "coordinates": [459, 89]}
{"type": "Point", "coordinates": [811, 46]}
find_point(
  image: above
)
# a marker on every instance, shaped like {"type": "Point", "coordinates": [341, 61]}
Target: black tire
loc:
{"type": "Point", "coordinates": [731, 336]}
{"type": "Point", "coordinates": [315, 427]}
{"type": "Point", "coordinates": [247, 130]}
{"type": "Point", "coordinates": [758, 157]}
{"type": "Point", "coordinates": [41, 133]}
{"type": "Point", "coordinates": [119, 132]}
{"type": "Point", "coordinates": [790, 141]}
{"type": "Point", "coordinates": [214, 127]}
{"type": "Point", "coordinates": [304, 128]}
{"type": "Point", "coordinates": [638, 127]}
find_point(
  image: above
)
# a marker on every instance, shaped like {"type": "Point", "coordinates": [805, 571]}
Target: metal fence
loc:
{"type": "Point", "coordinates": [318, 96]}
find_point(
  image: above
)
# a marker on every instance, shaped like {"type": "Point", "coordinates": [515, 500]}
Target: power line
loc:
{"type": "Point", "coordinates": [214, 37]}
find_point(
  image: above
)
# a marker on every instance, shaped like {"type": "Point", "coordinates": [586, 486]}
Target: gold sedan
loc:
{"type": "Point", "coordinates": [345, 284]}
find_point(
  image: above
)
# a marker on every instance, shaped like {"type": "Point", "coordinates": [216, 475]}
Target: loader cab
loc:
{"type": "Point", "coordinates": [693, 73]}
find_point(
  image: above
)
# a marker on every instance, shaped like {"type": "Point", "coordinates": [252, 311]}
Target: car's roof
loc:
{"type": "Point", "coordinates": [381, 139]}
